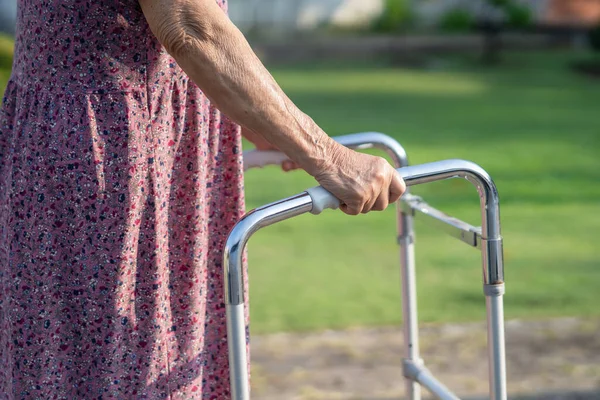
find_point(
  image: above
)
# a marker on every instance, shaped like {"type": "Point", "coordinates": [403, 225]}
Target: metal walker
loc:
{"type": "Point", "coordinates": [486, 238]}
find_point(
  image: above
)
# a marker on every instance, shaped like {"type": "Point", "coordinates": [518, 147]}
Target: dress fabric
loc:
{"type": "Point", "coordinates": [119, 182]}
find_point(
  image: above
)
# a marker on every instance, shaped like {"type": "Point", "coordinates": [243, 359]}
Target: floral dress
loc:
{"type": "Point", "coordinates": [119, 182]}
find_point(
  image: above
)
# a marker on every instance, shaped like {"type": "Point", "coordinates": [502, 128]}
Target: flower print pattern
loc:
{"type": "Point", "coordinates": [119, 182]}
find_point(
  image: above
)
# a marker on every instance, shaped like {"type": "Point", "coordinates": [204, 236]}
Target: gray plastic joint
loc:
{"type": "Point", "coordinates": [412, 368]}
{"type": "Point", "coordinates": [494, 290]}
{"type": "Point", "coordinates": [404, 240]}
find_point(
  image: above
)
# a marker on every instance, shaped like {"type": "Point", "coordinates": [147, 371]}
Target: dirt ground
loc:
{"type": "Point", "coordinates": [550, 360]}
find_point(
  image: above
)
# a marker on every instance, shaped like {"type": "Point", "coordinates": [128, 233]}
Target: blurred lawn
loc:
{"type": "Point", "coordinates": [6, 53]}
{"type": "Point", "coordinates": [533, 125]}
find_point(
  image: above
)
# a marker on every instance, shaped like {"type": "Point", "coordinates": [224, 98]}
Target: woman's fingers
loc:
{"type": "Point", "coordinates": [376, 200]}
{"type": "Point", "coordinates": [397, 187]}
{"type": "Point", "coordinates": [382, 201]}
{"type": "Point", "coordinates": [289, 165]}
{"type": "Point", "coordinates": [353, 209]}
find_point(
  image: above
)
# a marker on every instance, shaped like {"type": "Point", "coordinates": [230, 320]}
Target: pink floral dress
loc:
{"type": "Point", "coordinates": [119, 182]}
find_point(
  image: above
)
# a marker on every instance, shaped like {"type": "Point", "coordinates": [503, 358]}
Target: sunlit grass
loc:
{"type": "Point", "coordinates": [531, 123]}
{"type": "Point", "coordinates": [6, 54]}
{"type": "Point", "coordinates": [388, 81]}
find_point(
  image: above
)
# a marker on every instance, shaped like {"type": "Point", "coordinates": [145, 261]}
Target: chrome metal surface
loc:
{"type": "Point", "coordinates": [436, 387]}
{"type": "Point", "coordinates": [267, 215]}
{"type": "Point", "coordinates": [417, 372]}
{"type": "Point", "coordinates": [491, 250]}
{"type": "Point", "coordinates": [236, 345]}
{"type": "Point", "coordinates": [461, 230]}
{"type": "Point", "coordinates": [367, 140]}
{"type": "Point", "coordinates": [493, 269]}
{"type": "Point", "coordinates": [413, 175]}
{"type": "Point", "coordinates": [357, 141]}
{"type": "Point", "coordinates": [496, 350]}
{"type": "Point", "coordinates": [244, 229]}
{"type": "Point", "coordinates": [410, 321]}
{"type": "Point", "coordinates": [492, 256]}
{"type": "Point", "coordinates": [405, 240]}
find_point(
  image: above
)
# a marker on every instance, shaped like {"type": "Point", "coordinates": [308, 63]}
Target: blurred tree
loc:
{"type": "Point", "coordinates": [590, 64]}
{"type": "Point", "coordinates": [501, 15]}
{"type": "Point", "coordinates": [458, 20]}
{"type": "Point", "coordinates": [594, 38]}
{"type": "Point", "coordinates": [396, 15]}
{"type": "Point", "coordinates": [518, 15]}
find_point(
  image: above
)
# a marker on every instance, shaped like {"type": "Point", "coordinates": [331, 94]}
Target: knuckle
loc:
{"type": "Point", "coordinates": [374, 189]}
{"type": "Point", "coordinates": [353, 211]}
{"type": "Point", "coordinates": [364, 195]}
{"type": "Point", "coordinates": [380, 175]}
{"type": "Point", "coordinates": [354, 207]}
{"type": "Point", "coordinates": [382, 172]}
{"type": "Point", "coordinates": [402, 185]}
{"type": "Point", "coordinates": [380, 207]}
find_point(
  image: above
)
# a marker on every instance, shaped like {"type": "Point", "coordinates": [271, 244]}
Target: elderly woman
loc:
{"type": "Point", "coordinates": [120, 177]}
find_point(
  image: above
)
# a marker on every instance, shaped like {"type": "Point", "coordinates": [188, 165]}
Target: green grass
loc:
{"type": "Point", "coordinates": [6, 54]}
{"type": "Point", "coordinates": [532, 124]}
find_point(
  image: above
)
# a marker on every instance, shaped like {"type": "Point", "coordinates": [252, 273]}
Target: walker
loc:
{"type": "Point", "coordinates": [486, 238]}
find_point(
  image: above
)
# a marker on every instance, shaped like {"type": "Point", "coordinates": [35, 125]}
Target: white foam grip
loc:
{"type": "Point", "coordinates": [262, 158]}
{"type": "Point", "coordinates": [322, 199]}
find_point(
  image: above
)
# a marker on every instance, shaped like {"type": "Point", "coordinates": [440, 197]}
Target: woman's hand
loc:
{"type": "Point", "coordinates": [360, 181]}
{"type": "Point", "coordinates": [262, 144]}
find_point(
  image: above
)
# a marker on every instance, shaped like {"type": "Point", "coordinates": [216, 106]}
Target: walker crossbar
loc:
{"type": "Point", "coordinates": [461, 230]}
{"type": "Point", "coordinates": [487, 239]}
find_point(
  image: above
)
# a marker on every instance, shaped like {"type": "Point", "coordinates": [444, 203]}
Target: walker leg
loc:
{"type": "Point", "coordinates": [236, 343]}
{"type": "Point", "coordinates": [409, 298]}
{"type": "Point", "coordinates": [495, 329]}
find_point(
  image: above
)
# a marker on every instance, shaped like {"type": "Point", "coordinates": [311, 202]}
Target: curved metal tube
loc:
{"type": "Point", "coordinates": [272, 213]}
{"type": "Point", "coordinates": [493, 272]}
{"type": "Point", "coordinates": [367, 140]}
{"type": "Point", "coordinates": [412, 175]}
{"type": "Point", "coordinates": [259, 218]}
{"type": "Point", "coordinates": [245, 228]}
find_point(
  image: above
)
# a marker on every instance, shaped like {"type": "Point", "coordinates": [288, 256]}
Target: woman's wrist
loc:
{"type": "Point", "coordinates": [320, 155]}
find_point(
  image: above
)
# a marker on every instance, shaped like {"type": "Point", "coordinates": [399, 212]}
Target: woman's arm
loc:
{"type": "Point", "coordinates": [217, 57]}
{"type": "Point", "coordinates": [261, 143]}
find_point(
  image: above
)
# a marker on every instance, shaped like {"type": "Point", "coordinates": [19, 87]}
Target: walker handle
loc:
{"type": "Point", "coordinates": [412, 175]}
{"type": "Point", "coordinates": [262, 158]}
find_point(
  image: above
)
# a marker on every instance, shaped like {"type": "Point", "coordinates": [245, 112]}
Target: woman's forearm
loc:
{"type": "Point", "coordinates": [217, 57]}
